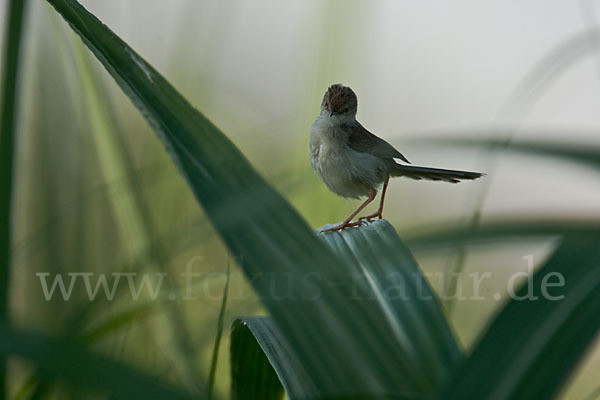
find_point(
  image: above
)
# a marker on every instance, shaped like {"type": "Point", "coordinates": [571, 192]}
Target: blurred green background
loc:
{"type": "Point", "coordinates": [96, 192]}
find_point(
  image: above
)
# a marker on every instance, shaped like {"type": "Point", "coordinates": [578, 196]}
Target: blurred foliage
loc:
{"type": "Point", "coordinates": [98, 194]}
{"type": "Point", "coordinates": [8, 114]}
{"type": "Point", "coordinates": [276, 248]}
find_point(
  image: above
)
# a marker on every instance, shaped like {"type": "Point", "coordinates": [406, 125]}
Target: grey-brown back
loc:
{"type": "Point", "coordinates": [360, 139]}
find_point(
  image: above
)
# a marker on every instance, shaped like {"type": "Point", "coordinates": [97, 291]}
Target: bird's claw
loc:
{"type": "Point", "coordinates": [369, 218]}
{"type": "Point", "coordinates": [341, 226]}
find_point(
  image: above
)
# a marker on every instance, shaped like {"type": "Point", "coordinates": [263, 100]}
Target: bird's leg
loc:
{"type": "Point", "coordinates": [348, 222]}
{"type": "Point", "coordinates": [379, 212]}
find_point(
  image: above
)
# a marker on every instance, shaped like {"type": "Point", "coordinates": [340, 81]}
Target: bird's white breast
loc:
{"type": "Point", "coordinates": [344, 171]}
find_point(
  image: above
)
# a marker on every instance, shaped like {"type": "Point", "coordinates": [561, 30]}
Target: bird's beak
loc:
{"type": "Point", "coordinates": [331, 113]}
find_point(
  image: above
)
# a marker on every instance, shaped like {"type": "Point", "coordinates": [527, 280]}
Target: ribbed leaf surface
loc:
{"type": "Point", "coordinates": [381, 268]}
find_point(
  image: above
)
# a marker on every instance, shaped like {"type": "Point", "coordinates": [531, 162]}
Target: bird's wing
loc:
{"type": "Point", "coordinates": [364, 141]}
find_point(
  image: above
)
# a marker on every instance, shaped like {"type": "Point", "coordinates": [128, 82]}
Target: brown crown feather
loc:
{"type": "Point", "coordinates": [339, 97]}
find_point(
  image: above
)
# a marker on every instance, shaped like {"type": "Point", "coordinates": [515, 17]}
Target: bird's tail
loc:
{"type": "Point", "coordinates": [433, 174]}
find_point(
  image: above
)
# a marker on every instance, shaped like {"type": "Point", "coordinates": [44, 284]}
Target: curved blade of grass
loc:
{"type": "Point", "coordinates": [345, 340]}
{"type": "Point", "coordinates": [546, 72]}
{"type": "Point", "coordinates": [262, 366]}
{"type": "Point", "coordinates": [381, 265]}
{"type": "Point", "coordinates": [8, 113]}
{"type": "Point", "coordinates": [452, 234]}
{"type": "Point", "coordinates": [457, 236]}
{"type": "Point", "coordinates": [588, 155]}
{"type": "Point", "coordinates": [82, 368]}
{"type": "Point", "coordinates": [533, 345]}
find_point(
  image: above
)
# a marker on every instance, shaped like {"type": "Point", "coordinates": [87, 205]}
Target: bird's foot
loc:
{"type": "Point", "coordinates": [343, 225]}
{"type": "Point", "coordinates": [370, 218]}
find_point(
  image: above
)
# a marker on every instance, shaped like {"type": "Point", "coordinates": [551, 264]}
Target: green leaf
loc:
{"type": "Point", "coordinates": [452, 234]}
{"type": "Point", "coordinates": [8, 113]}
{"type": "Point", "coordinates": [261, 365]}
{"type": "Point", "coordinates": [73, 363]}
{"type": "Point", "coordinates": [346, 337]}
{"type": "Point", "coordinates": [588, 155]}
{"type": "Point", "coordinates": [532, 346]}
{"type": "Point", "coordinates": [381, 266]}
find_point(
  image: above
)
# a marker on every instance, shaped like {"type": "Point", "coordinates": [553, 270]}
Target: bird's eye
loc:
{"type": "Point", "coordinates": [346, 109]}
{"type": "Point", "coordinates": [326, 104]}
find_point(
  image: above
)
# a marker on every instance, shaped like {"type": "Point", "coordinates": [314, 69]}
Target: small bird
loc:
{"type": "Point", "coordinates": [353, 162]}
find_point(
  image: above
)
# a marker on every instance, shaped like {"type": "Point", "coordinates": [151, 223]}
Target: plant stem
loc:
{"type": "Point", "coordinates": [220, 324]}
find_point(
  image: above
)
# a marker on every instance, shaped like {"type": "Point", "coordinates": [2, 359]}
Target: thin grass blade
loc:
{"type": "Point", "coordinates": [218, 336]}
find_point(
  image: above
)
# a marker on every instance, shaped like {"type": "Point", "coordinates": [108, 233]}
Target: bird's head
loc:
{"type": "Point", "coordinates": [339, 102]}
